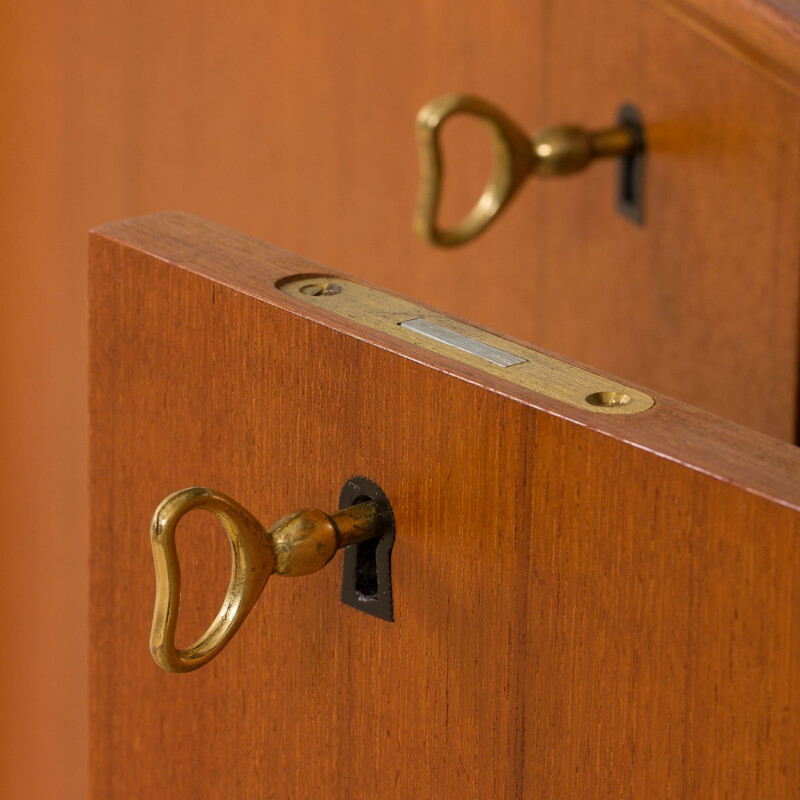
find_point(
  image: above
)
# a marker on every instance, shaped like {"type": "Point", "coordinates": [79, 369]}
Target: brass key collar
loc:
{"type": "Point", "coordinates": [516, 155]}
{"type": "Point", "coordinates": [299, 544]}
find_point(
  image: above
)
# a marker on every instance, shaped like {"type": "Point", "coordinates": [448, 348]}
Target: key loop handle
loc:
{"type": "Point", "coordinates": [512, 161]}
{"type": "Point", "coordinates": [253, 562]}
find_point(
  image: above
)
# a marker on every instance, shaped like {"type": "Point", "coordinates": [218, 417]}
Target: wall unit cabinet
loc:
{"type": "Point", "coordinates": [293, 121]}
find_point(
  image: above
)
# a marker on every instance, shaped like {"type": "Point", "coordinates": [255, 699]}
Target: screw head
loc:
{"type": "Point", "coordinates": [321, 289]}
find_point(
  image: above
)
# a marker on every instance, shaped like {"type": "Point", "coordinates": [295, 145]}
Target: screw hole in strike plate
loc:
{"type": "Point", "coordinates": [321, 289]}
{"type": "Point", "coordinates": [608, 399]}
{"type": "Point", "coordinates": [630, 188]}
{"type": "Point", "coordinates": [367, 576]}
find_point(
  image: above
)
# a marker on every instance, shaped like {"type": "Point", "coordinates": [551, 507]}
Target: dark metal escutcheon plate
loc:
{"type": "Point", "coordinates": [367, 576]}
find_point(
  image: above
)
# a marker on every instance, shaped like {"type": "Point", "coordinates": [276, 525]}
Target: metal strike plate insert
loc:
{"type": "Point", "coordinates": [466, 344]}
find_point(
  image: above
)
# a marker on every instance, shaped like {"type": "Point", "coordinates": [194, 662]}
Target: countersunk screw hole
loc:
{"type": "Point", "coordinates": [321, 289]}
{"type": "Point", "coordinates": [608, 399]}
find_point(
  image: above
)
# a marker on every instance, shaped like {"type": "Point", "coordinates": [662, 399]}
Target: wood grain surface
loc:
{"type": "Point", "coordinates": [585, 606]}
{"type": "Point", "coordinates": [293, 120]}
{"type": "Point", "coordinates": [765, 33]}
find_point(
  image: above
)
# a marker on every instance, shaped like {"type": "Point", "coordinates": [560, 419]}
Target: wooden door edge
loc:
{"type": "Point", "coordinates": [671, 429]}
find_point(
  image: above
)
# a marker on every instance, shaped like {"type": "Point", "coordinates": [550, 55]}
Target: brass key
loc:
{"type": "Point", "coordinates": [553, 151]}
{"type": "Point", "coordinates": [299, 544]}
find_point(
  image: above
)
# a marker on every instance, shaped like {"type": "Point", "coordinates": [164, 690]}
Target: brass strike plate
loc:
{"type": "Point", "coordinates": [464, 343]}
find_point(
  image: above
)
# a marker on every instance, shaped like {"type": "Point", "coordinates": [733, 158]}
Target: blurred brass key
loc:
{"type": "Point", "coordinates": [561, 150]}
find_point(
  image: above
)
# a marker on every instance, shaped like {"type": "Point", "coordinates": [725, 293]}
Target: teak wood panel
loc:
{"type": "Point", "coordinates": [586, 606]}
{"type": "Point", "coordinates": [762, 32]}
{"type": "Point", "coordinates": [293, 120]}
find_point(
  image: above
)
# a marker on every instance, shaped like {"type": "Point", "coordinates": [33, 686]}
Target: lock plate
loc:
{"type": "Point", "coordinates": [467, 344]}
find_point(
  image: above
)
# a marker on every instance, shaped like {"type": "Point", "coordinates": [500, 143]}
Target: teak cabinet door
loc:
{"type": "Point", "coordinates": [588, 603]}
